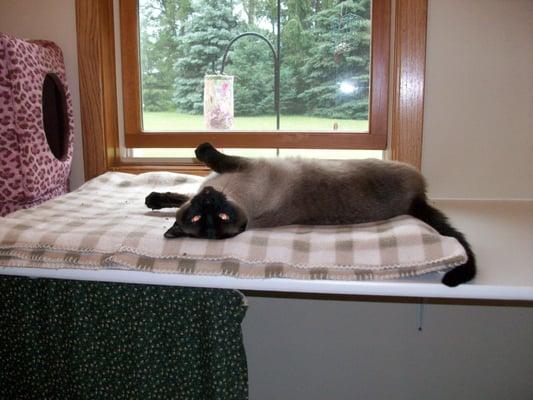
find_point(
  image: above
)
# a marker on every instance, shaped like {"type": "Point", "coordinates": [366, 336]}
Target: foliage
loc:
{"type": "Point", "coordinates": [252, 64]}
{"type": "Point", "coordinates": [340, 54]}
{"type": "Point", "coordinates": [162, 21]}
{"type": "Point", "coordinates": [324, 43]}
{"type": "Point", "coordinates": [206, 34]}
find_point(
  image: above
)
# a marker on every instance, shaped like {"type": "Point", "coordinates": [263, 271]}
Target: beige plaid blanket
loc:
{"type": "Point", "coordinates": [105, 225]}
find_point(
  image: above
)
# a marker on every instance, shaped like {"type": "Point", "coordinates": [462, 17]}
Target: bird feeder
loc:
{"type": "Point", "coordinates": [218, 102]}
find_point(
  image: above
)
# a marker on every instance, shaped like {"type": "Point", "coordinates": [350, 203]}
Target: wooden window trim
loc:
{"type": "Point", "coordinates": [97, 77]}
{"type": "Point", "coordinates": [409, 67]}
{"type": "Point", "coordinates": [96, 56]}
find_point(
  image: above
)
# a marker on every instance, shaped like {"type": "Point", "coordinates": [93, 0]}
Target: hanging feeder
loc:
{"type": "Point", "coordinates": [218, 90]}
{"type": "Point", "coordinates": [218, 102]}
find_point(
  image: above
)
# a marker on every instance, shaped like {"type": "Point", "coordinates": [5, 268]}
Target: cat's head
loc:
{"type": "Point", "coordinates": [208, 215]}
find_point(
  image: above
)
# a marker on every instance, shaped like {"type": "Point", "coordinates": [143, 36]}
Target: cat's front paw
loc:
{"type": "Point", "coordinates": [154, 201]}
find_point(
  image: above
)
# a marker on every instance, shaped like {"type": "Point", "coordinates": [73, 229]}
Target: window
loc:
{"type": "Point", "coordinates": [330, 94]}
{"type": "Point", "coordinates": [96, 49]}
{"type": "Point", "coordinates": [324, 65]}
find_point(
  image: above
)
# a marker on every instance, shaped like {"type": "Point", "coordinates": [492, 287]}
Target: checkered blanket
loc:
{"type": "Point", "coordinates": [105, 225]}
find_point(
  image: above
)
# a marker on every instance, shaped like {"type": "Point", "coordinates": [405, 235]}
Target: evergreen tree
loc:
{"type": "Point", "coordinates": [296, 45]}
{"type": "Point", "coordinates": [206, 35]}
{"type": "Point", "coordinates": [324, 43]}
{"type": "Point", "coordinates": [340, 57]}
{"type": "Point", "coordinates": [268, 9]}
{"type": "Point", "coordinates": [252, 64]}
{"type": "Point", "coordinates": [161, 23]}
{"type": "Point", "coordinates": [299, 10]}
{"type": "Point", "coordinates": [250, 7]}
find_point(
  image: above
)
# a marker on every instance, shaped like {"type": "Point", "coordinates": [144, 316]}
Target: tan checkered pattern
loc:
{"type": "Point", "coordinates": [105, 224]}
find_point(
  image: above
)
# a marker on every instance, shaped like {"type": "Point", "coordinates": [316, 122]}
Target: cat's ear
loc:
{"type": "Point", "coordinates": [174, 232]}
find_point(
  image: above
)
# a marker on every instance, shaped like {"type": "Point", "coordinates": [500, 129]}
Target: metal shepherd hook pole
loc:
{"type": "Point", "coordinates": [276, 66]}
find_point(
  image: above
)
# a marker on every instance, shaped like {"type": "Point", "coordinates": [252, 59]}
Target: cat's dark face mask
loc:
{"type": "Point", "coordinates": [208, 215]}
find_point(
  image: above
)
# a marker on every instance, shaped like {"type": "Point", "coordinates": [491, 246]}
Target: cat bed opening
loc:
{"type": "Point", "coordinates": [55, 115]}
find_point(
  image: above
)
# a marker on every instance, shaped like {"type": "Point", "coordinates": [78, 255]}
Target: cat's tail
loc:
{"type": "Point", "coordinates": [463, 273]}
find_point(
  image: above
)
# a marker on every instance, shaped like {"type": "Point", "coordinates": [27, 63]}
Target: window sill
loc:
{"type": "Point", "coordinates": [138, 168]}
{"type": "Point", "coordinates": [499, 231]}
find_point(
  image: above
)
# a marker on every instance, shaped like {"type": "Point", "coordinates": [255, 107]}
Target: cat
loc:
{"type": "Point", "coordinates": [245, 193]}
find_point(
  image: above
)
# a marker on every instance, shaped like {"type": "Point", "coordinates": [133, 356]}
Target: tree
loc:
{"type": "Point", "coordinates": [340, 55]}
{"type": "Point", "coordinates": [299, 10]}
{"type": "Point", "coordinates": [252, 64]}
{"type": "Point", "coordinates": [250, 8]}
{"type": "Point", "coordinates": [155, 90]}
{"type": "Point", "coordinates": [324, 44]}
{"type": "Point", "coordinates": [161, 23]}
{"type": "Point", "coordinates": [296, 45]}
{"type": "Point", "coordinates": [269, 10]}
{"type": "Point", "coordinates": [206, 35]}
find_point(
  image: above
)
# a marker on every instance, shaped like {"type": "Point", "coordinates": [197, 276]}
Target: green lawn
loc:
{"type": "Point", "coordinates": [172, 121]}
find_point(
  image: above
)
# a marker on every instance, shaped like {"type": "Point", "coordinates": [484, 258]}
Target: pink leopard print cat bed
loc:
{"type": "Point", "coordinates": [36, 123]}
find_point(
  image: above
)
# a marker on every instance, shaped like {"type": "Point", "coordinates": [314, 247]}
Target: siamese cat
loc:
{"type": "Point", "coordinates": [245, 193]}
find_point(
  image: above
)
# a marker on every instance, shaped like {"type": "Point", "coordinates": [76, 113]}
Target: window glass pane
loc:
{"type": "Point", "coordinates": [324, 63]}
{"type": "Point", "coordinates": [176, 153]}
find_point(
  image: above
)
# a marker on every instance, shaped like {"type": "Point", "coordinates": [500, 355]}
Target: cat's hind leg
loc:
{"type": "Point", "coordinates": [218, 161]}
{"type": "Point", "coordinates": [435, 218]}
{"type": "Point", "coordinates": [157, 200]}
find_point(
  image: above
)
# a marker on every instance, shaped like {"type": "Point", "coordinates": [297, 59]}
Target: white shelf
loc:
{"type": "Point", "coordinates": [501, 234]}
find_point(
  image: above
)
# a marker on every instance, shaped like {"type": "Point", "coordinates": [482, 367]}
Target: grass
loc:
{"type": "Point", "coordinates": [172, 121]}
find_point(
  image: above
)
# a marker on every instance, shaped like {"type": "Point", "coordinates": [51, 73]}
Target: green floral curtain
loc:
{"type": "Point", "coordinates": [92, 340]}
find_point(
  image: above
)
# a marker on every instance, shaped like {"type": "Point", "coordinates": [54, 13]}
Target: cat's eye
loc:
{"type": "Point", "coordinates": [223, 216]}
{"type": "Point", "coordinates": [196, 218]}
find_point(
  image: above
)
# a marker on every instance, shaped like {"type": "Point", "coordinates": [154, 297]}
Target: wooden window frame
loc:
{"type": "Point", "coordinates": [98, 97]}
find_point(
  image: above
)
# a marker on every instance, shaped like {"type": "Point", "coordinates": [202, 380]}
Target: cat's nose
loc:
{"type": "Point", "coordinates": [208, 203]}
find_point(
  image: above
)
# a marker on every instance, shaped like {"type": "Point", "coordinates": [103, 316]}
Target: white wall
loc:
{"type": "Point", "coordinates": [51, 20]}
{"type": "Point", "coordinates": [478, 125]}
{"type": "Point", "coordinates": [344, 350]}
